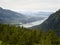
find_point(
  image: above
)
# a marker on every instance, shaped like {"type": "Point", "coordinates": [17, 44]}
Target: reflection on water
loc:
{"type": "Point", "coordinates": [33, 23]}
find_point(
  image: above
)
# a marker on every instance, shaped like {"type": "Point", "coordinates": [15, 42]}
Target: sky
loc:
{"type": "Point", "coordinates": [43, 5]}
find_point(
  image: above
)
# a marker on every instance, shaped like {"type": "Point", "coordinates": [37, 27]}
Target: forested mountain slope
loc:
{"type": "Point", "coordinates": [53, 22]}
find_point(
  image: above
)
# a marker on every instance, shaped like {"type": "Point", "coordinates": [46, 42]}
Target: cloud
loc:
{"type": "Point", "coordinates": [30, 4]}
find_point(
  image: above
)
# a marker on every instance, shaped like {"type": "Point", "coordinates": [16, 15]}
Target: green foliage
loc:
{"type": "Point", "coordinates": [12, 35]}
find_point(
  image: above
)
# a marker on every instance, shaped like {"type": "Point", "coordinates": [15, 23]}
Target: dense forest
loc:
{"type": "Point", "coordinates": [15, 35]}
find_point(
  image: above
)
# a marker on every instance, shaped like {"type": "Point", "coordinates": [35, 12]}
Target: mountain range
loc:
{"type": "Point", "coordinates": [12, 17]}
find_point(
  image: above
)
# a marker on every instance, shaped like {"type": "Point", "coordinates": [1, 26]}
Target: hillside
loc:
{"type": "Point", "coordinates": [8, 16]}
{"type": "Point", "coordinates": [53, 22]}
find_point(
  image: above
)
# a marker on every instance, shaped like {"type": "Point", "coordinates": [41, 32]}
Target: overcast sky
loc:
{"type": "Point", "coordinates": [50, 5]}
